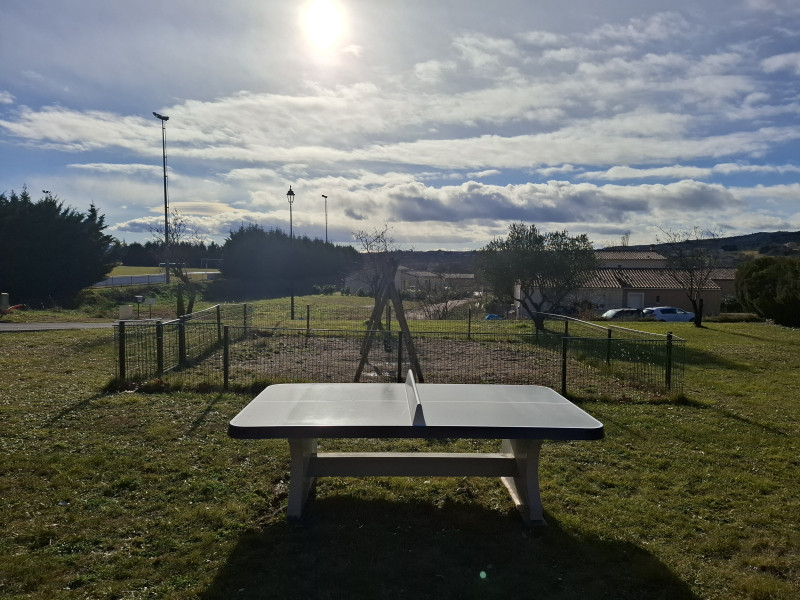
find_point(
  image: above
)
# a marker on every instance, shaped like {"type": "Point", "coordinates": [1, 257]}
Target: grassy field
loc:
{"type": "Point", "coordinates": [133, 495]}
{"type": "Point", "coordinates": [126, 270]}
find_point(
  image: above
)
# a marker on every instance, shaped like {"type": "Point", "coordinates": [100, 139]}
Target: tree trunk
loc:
{"type": "Point", "coordinates": [535, 315]}
{"type": "Point", "coordinates": [697, 305]}
{"type": "Point", "coordinates": [181, 308]}
{"type": "Point", "coordinates": [192, 296]}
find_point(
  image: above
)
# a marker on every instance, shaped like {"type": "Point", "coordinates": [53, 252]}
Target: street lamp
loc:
{"type": "Point", "coordinates": [290, 198]}
{"type": "Point", "coordinates": [326, 217]}
{"type": "Point", "coordinates": [164, 119]}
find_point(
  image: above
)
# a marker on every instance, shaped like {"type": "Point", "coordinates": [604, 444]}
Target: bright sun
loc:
{"type": "Point", "coordinates": [323, 23]}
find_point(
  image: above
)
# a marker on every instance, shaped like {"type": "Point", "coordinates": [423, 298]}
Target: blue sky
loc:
{"type": "Point", "coordinates": [446, 120]}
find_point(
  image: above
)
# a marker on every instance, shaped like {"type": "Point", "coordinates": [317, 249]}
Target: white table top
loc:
{"type": "Point", "coordinates": [319, 410]}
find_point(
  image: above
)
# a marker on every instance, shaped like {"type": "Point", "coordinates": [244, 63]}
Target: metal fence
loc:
{"type": "Point", "coordinates": [245, 350]}
{"type": "Point", "coordinates": [153, 348]}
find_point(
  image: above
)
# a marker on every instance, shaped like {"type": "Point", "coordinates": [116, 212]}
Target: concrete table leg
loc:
{"type": "Point", "coordinates": [300, 482]}
{"type": "Point", "coordinates": [524, 487]}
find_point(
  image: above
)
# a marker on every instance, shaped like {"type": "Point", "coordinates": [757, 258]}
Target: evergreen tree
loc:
{"type": "Point", "coordinates": [270, 259]}
{"type": "Point", "coordinates": [48, 251]}
{"type": "Point", "coordinates": [770, 287]}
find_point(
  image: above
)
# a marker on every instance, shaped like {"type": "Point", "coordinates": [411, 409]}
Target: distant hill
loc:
{"type": "Point", "coordinates": [738, 247]}
{"type": "Point", "coordinates": [439, 261]}
{"type": "Point", "coordinates": [735, 248]}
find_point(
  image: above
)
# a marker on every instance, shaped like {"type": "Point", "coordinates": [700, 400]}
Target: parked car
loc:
{"type": "Point", "coordinates": [668, 313]}
{"type": "Point", "coordinates": [621, 313]}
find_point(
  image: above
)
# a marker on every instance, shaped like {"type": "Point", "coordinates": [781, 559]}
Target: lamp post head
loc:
{"type": "Point", "coordinates": [324, 196]}
{"type": "Point", "coordinates": [290, 195]}
{"type": "Point", "coordinates": [162, 117]}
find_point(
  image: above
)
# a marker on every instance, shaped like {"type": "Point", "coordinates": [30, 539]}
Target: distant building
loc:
{"type": "Point", "coordinates": [406, 279]}
{"type": "Point", "coordinates": [638, 279]}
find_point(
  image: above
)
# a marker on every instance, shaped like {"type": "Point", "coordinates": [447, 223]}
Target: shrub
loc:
{"type": "Point", "coordinates": [770, 287]}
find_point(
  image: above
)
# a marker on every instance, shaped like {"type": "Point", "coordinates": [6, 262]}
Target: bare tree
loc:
{"type": "Point", "coordinates": [692, 256]}
{"type": "Point", "coordinates": [180, 236]}
{"type": "Point", "coordinates": [376, 247]}
{"type": "Point", "coordinates": [437, 298]}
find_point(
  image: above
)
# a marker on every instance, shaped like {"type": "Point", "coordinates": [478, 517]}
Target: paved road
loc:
{"type": "Point", "coordinates": [7, 326]}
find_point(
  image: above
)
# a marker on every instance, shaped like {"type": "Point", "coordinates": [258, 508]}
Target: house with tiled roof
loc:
{"type": "Point", "coordinates": [725, 278]}
{"type": "Point", "coordinates": [411, 279]}
{"type": "Point", "coordinates": [642, 287]}
{"type": "Point", "coordinates": [638, 279]}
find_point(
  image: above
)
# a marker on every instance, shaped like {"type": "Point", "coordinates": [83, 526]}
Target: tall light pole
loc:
{"type": "Point", "coordinates": [290, 198]}
{"type": "Point", "coordinates": [164, 119]}
{"type": "Point", "coordinates": [326, 217]}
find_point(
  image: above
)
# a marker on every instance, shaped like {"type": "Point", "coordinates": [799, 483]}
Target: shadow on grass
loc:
{"type": "Point", "coordinates": [76, 407]}
{"type": "Point", "coordinates": [702, 358]}
{"type": "Point", "coordinates": [353, 548]}
{"type": "Point", "coordinates": [201, 418]}
{"type": "Point", "coordinates": [678, 400]}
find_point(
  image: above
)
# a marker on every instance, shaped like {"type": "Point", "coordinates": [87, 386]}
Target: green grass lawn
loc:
{"type": "Point", "coordinates": [130, 270]}
{"type": "Point", "coordinates": [133, 495]}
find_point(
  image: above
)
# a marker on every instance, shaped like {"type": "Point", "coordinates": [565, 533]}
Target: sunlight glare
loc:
{"type": "Point", "coordinates": [323, 23]}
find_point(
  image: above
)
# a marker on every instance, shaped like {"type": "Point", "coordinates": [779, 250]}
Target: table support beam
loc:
{"type": "Point", "coordinates": [517, 466]}
{"type": "Point", "coordinates": [412, 464]}
{"type": "Point", "coordinates": [300, 482]}
{"type": "Point", "coordinates": [524, 487]}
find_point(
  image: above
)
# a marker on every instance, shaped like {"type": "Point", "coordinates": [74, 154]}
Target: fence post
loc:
{"type": "Point", "coordinates": [668, 370]}
{"type": "Point", "coordinates": [244, 316]}
{"type": "Point", "coordinates": [121, 349]}
{"type": "Point", "coordinates": [219, 323]}
{"type": "Point", "coordinates": [400, 356]}
{"type": "Point", "coordinates": [564, 342]}
{"type": "Point", "coordinates": [226, 356]}
{"type": "Point", "coordinates": [469, 323]}
{"type": "Point", "coordinates": [566, 328]}
{"type": "Point", "coordinates": [308, 319]}
{"type": "Point", "coordinates": [608, 348]}
{"type": "Point", "coordinates": [182, 341]}
{"type": "Point", "coordinates": [388, 318]}
{"type": "Point", "coordinates": [160, 348]}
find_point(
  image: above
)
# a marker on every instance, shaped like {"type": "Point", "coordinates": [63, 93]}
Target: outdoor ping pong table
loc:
{"type": "Point", "coordinates": [521, 415]}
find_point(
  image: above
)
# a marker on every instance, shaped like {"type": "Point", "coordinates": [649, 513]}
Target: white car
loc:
{"type": "Point", "coordinates": [668, 313]}
{"type": "Point", "coordinates": [622, 314]}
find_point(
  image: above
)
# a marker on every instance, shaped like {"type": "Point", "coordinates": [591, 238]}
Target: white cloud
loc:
{"type": "Point", "coordinates": [661, 26]}
{"type": "Point", "coordinates": [732, 168]}
{"type": "Point", "coordinates": [543, 38]}
{"type": "Point", "coordinates": [782, 62]}
{"type": "Point", "coordinates": [671, 172]}
{"type": "Point", "coordinates": [790, 192]}
{"type": "Point", "coordinates": [686, 172]}
{"type": "Point", "coordinates": [557, 170]}
{"type": "Point", "coordinates": [126, 168]}
{"type": "Point", "coordinates": [413, 106]}
{"type": "Point", "coordinates": [431, 71]}
{"type": "Point", "coordinates": [483, 52]}
{"type": "Point", "coordinates": [482, 174]}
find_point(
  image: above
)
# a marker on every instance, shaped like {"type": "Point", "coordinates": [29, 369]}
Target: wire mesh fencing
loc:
{"type": "Point", "coordinates": [147, 349]}
{"type": "Point", "coordinates": [249, 357]}
{"type": "Point", "coordinates": [234, 347]}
